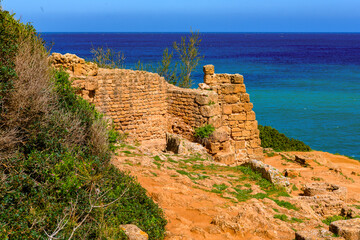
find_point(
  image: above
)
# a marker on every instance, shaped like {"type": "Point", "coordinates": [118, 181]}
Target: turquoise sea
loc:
{"type": "Point", "coordinates": [306, 85]}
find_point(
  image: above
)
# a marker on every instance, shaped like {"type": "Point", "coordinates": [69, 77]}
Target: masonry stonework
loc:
{"type": "Point", "coordinates": [145, 106]}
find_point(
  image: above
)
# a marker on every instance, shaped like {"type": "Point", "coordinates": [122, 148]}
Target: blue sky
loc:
{"type": "Point", "coordinates": [181, 15]}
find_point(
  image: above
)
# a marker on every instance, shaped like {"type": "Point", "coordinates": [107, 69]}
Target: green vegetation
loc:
{"type": "Point", "coordinates": [285, 204]}
{"type": "Point", "coordinates": [192, 175]}
{"type": "Point", "coordinates": [317, 179]}
{"type": "Point", "coordinates": [334, 218]}
{"type": "Point", "coordinates": [271, 138]}
{"type": "Point", "coordinates": [282, 217]}
{"type": "Point", "coordinates": [270, 154]}
{"type": "Point", "coordinates": [240, 174]}
{"type": "Point", "coordinates": [108, 58]}
{"type": "Point", "coordinates": [178, 73]}
{"type": "Point", "coordinates": [219, 188]}
{"type": "Point", "coordinates": [56, 178]}
{"type": "Point", "coordinates": [205, 131]}
{"type": "Point", "coordinates": [285, 218]}
{"type": "Point", "coordinates": [294, 188]}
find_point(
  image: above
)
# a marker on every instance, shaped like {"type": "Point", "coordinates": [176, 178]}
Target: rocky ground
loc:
{"type": "Point", "coordinates": [203, 199]}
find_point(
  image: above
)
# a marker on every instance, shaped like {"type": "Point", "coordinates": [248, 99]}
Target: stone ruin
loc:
{"type": "Point", "coordinates": [328, 200]}
{"type": "Point", "coordinates": [147, 107]}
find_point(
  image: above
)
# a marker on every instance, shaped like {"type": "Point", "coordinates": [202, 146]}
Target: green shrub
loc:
{"type": "Point", "coordinates": [205, 131]}
{"type": "Point", "coordinates": [271, 138]}
{"type": "Point", "coordinates": [56, 178]}
{"type": "Point", "coordinates": [285, 204]}
{"type": "Point", "coordinates": [282, 217]}
{"type": "Point", "coordinates": [334, 218]}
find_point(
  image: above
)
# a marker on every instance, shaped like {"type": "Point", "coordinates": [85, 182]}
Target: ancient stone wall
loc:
{"type": "Point", "coordinates": [237, 117]}
{"type": "Point", "coordinates": [144, 105]}
{"type": "Point", "coordinates": [189, 109]}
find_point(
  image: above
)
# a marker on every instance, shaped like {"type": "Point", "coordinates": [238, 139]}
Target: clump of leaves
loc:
{"type": "Point", "coordinates": [334, 218]}
{"type": "Point", "coordinates": [219, 188]}
{"type": "Point", "coordinates": [285, 204]}
{"type": "Point", "coordinates": [204, 131]}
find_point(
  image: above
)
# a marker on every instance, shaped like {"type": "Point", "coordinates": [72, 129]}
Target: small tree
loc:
{"type": "Point", "coordinates": [178, 73]}
{"type": "Point", "coordinates": [108, 58]}
{"type": "Point", "coordinates": [164, 69]}
{"type": "Point", "coordinates": [188, 52]}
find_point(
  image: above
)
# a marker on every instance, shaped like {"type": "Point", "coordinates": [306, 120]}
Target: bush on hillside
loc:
{"type": "Point", "coordinates": [56, 180]}
{"type": "Point", "coordinates": [271, 138]}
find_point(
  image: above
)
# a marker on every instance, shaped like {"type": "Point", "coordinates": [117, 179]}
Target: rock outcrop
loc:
{"type": "Point", "coordinates": [348, 229]}
{"type": "Point", "coordinates": [270, 173]}
{"type": "Point", "coordinates": [321, 234]}
{"type": "Point", "coordinates": [73, 64]}
{"type": "Point", "coordinates": [133, 232]}
{"type": "Point", "coordinates": [316, 189]}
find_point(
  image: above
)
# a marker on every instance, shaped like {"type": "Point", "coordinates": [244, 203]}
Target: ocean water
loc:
{"type": "Point", "coordinates": [305, 85]}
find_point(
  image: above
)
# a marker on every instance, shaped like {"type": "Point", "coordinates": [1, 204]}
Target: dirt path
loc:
{"type": "Point", "coordinates": [205, 200]}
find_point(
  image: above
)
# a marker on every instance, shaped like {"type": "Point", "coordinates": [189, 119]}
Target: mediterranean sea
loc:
{"type": "Point", "coordinates": [306, 85]}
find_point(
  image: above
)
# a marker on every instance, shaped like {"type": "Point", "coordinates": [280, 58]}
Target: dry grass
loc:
{"type": "Point", "coordinates": [99, 137]}
{"type": "Point", "coordinates": [30, 97]}
{"type": "Point", "coordinates": [33, 99]}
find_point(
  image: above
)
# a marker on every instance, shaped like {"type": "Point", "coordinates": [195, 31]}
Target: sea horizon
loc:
{"type": "Point", "coordinates": [212, 32]}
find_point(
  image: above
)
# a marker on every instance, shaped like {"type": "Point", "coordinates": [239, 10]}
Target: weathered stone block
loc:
{"type": "Point", "coordinates": [219, 135]}
{"type": "Point", "coordinates": [238, 117]}
{"type": "Point", "coordinates": [133, 232]}
{"type": "Point", "coordinates": [208, 98]}
{"type": "Point", "coordinates": [226, 146]}
{"type": "Point", "coordinates": [224, 157]}
{"type": "Point", "coordinates": [236, 134]}
{"type": "Point", "coordinates": [255, 143]}
{"type": "Point", "coordinates": [237, 79]}
{"type": "Point", "coordinates": [246, 133]}
{"type": "Point", "coordinates": [209, 111]}
{"type": "Point", "coordinates": [270, 173]}
{"type": "Point", "coordinates": [248, 107]}
{"type": "Point", "coordinates": [250, 116]}
{"type": "Point", "coordinates": [251, 125]}
{"type": "Point", "coordinates": [238, 107]}
{"type": "Point", "coordinates": [204, 86]}
{"type": "Point", "coordinates": [90, 86]}
{"type": "Point", "coordinates": [240, 144]}
{"type": "Point", "coordinates": [227, 109]}
{"type": "Point", "coordinates": [348, 229]}
{"type": "Point", "coordinates": [315, 189]}
{"type": "Point", "coordinates": [245, 97]}
{"type": "Point", "coordinates": [209, 69]}
{"type": "Point", "coordinates": [232, 88]}
{"type": "Point", "coordinates": [324, 205]}
{"type": "Point", "coordinates": [210, 80]}
{"type": "Point", "coordinates": [315, 234]}
{"type": "Point", "coordinates": [231, 99]}
{"type": "Point", "coordinates": [215, 121]}
{"type": "Point", "coordinates": [214, 147]}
